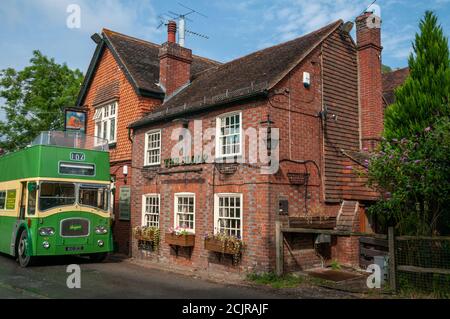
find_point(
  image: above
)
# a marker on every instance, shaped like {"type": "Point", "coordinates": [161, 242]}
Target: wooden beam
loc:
{"type": "Point", "coordinates": [373, 241]}
{"type": "Point", "coordinates": [279, 248]}
{"type": "Point", "coordinates": [424, 270]}
{"type": "Point", "coordinates": [422, 238]}
{"type": "Point", "coordinates": [330, 232]}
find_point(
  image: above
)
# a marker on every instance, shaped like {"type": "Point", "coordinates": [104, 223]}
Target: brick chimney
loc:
{"type": "Point", "coordinates": [368, 39]}
{"type": "Point", "coordinates": [174, 62]}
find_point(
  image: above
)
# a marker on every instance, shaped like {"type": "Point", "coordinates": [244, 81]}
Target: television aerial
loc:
{"type": "Point", "coordinates": [182, 18]}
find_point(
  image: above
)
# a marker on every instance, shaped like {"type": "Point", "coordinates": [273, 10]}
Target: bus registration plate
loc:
{"type": "Point", "coordinates": [74, 248]}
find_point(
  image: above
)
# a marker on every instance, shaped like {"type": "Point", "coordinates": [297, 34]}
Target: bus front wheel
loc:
{"type": "Point", "coordinates": [24, 259]}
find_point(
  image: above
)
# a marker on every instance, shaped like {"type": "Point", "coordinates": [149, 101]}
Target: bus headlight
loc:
{"type": "Point", "coordinates": [99, 230]}
{"type": "Point", "coordinates": [46, 244]}
{"type": "Point", "coordinates": [46, 231]}
{"type": "Point", "coordinates": [100, 243]}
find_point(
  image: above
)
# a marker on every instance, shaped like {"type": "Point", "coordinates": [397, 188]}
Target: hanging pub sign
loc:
{"type": "Point", "coordinates": [75, 119]}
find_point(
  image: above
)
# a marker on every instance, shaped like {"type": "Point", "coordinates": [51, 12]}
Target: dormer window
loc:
{"type": "Point", "coordinates": [105, 118]}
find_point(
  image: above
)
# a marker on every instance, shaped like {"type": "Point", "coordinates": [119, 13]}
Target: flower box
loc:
{"type": "Point", "coordinates": [180, 240]}
{"type": "Point", "coordinates": [214, 244]}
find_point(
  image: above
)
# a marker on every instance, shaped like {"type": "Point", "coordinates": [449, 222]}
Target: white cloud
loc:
{"type": "Point", "coordinates": [291, 19]}
{"type": "Point", "coordinates": [120, 15]}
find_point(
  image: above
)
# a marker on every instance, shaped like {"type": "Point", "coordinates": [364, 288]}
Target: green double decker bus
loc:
{"type": "Point", "coordinates": [54, 198]}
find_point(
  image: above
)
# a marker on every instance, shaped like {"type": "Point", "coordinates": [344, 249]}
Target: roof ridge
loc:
{"type": "Point", "coordinates": [129, 37]}
{"type": "Point", "coordinates": [154, 44]}
{"type": "Point", "coordinates": [286, 42]}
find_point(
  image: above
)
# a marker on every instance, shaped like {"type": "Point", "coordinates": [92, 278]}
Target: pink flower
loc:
{"type": "Point", "coordinates": [349, 167]}
{"type": "Point", "coordinates": [428, 129]}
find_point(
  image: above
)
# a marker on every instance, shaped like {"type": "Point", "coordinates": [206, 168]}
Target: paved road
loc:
{"type": "Point", "coordinates": [111, 279]}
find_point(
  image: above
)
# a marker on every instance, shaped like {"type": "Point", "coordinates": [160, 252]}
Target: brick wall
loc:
{"type": "Point", "coordinates": [294, 109]}
{"type": "Point", "coordinates": [130, 108]}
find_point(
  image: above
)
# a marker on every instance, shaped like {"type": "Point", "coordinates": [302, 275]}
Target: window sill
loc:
{"type": "Point", "coordinates": [228, 158]}
{"type": "Point", "coordinates": [154, 166]}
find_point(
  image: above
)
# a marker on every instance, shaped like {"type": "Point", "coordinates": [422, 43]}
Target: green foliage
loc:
{"type": "Point", "coordinates": [35, 98]}
{"type": "Point", "coordinates": [413, 175]}
{"type": "Point", "coordinates": [270, 278]}
{"type": "Point", "coordinates": [426, 92]}
{"type": "Point", "coordinates": [385, 68]}
{"type": "Point", "coordinates": [335, 265]}
{"type": "Point", "coordinates": [150, 233]}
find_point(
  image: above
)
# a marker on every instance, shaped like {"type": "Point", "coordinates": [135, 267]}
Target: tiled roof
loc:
{"type": "Point", "coordinates": [249, 75]}
{"type": "Point", "coordinates": [140, 61]}
{"type": "Point", "coordinates": [391, 81]}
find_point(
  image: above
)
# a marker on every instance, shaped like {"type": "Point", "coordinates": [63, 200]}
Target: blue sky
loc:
{"type": "Point", "coordinates": [235, 27]}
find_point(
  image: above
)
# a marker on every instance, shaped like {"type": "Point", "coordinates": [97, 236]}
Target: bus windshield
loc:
{"type": "Point", "coordinates": [94, 196]}
{"type": "Point", "coordinates": [53, 194]}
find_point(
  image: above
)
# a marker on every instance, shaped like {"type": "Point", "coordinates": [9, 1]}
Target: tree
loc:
{"type": "Point", "coordinates": [35, 98]}
{"type": "Point", "coordinates": [385, 68]}
{"type": "Point", "coordinates": [413, 177]}
{"type": "Point", "coordinates": [426, 92]}
{"type": "Point", "coordinates": [411, 168]}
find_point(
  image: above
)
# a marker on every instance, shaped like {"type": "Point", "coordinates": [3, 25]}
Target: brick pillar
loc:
{"type": "Point", "coordinates": [368, 35]}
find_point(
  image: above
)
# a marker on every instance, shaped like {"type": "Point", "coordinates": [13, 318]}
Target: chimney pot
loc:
{"type": "Point", "coordinates": [171, 31]}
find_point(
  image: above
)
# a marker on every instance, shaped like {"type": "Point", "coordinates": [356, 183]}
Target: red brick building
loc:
{"type": "Point", "coordinates": [322, 91]}
{"type": "Point", "coordinates": [119, 88]}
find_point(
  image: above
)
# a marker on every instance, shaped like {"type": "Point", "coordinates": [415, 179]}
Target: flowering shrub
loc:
{"type": "Point", "coordinates": [413, 177]}
{"type": "Point", "coordinates": [178, 231]}
{"type": "Point", "coordinates": [229, 243]}
{"type": "Point", "coordinates": [148, 234]}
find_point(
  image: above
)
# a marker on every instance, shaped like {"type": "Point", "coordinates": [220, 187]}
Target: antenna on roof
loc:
{"type": "Point", "coordinates": [182, 18]}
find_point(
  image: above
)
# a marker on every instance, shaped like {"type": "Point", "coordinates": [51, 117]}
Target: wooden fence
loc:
{"type": "Point", "coordinates": [374, 245]}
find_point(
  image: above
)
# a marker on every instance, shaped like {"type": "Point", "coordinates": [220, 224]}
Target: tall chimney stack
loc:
{"type": "Point", "coordinates": [368, 38]}
{"type": "Point", "coordinates": [174, 62]}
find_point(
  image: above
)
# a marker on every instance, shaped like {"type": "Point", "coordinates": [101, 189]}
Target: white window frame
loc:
{"type": "Point", "coordinates": [219, 118]}
{"type": "Point", "coordinates": [144, 206]}
{"type": "Point", "coordinates": [216, 210]}
{"type": "Point", "coordinates": [102, 119]}
{"type": "Point", "coordinates": [175, 210]}
{"type": "Point", "coordinates": [146, 149]}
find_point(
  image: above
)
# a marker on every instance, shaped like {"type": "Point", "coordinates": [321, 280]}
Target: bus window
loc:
{"type": "Point", "coordinates": [56, 194]}
{"type": "Point", "coordinates": [2, 199]}
{"type": "Point", "coordinates": [31, 206]}
{"type": "Point", "coordinates": [94, 195]}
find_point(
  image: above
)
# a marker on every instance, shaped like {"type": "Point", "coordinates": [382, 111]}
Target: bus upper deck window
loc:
{"type": "Point", "coordinates": [66, 168]}
{"type": "Point", "coordinates": [56, 194]}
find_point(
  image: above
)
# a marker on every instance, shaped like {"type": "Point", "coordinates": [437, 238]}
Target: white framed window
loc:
{"type": "Point", "coordinates": [229, 134]}
{"type": "Point", "coordinates": [152, 154]}
{"type": "Point", "coordinates": [150, 210]}
{"type": "Point", "coordinates": [184, 207]}
{"type": "Point", "coordinates": [228, 214]}
{"type": "Point", "coordinates": [105, 118]}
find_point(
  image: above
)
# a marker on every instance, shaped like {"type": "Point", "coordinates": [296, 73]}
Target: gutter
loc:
{"type": "Point", "coordinates": [165, 115]}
